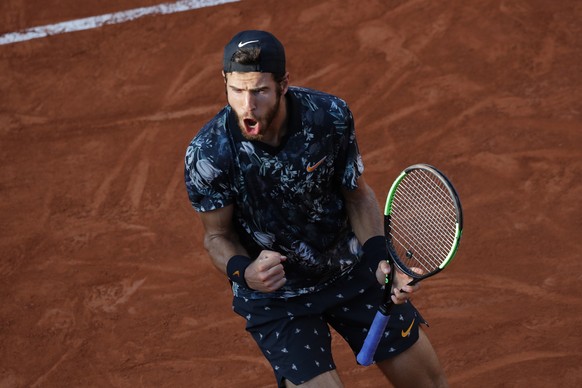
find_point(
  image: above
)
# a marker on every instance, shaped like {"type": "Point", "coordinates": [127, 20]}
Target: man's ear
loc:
{"type": "Point", "coordinates": [223, 76]}
{"type": "Point", "coordinates": [285, 83]}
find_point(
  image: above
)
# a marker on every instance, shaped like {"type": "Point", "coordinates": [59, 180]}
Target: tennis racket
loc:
{"type": "Point", "coordinates": [423, 223]}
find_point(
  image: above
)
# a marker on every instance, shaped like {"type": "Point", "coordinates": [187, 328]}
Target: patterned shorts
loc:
{"type": "Point", "coordinates": [294, 333]}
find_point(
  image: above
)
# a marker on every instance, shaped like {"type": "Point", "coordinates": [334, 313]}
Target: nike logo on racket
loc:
{"type": "Point", "coordinates": [407, 332]}
{"type": "Point", "coordinates": [311, 168]}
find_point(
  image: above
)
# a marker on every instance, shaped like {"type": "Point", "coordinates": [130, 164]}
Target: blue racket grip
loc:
{"type": "Point", "coordinates": [366, 355]}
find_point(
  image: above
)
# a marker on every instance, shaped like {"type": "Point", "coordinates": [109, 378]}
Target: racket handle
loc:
{"type": "Point", "coordinates": [366, 355]}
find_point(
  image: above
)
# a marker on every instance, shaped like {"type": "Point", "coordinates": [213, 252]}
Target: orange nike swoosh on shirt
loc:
{"type": "Point", "coordinates": [407, 332]}
{"type": "Point", "coordinates": [311, 168]}
{"type": "Point", "coordinates": [236, 273]}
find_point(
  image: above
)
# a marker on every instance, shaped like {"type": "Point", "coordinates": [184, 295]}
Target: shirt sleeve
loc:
{"type": "Point", "coordinates": [207, 176]}
{"type": "Point", "coordinates": [351, 166]}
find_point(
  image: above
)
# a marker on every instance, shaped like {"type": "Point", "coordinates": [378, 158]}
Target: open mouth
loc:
{"type": "Point", "coordinates": [251, 126]}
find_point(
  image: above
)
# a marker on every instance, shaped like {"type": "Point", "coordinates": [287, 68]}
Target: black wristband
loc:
{"type": "Point", "coordinates": [235, 269]}
{"type": "Point", "coordinates": [375, 251]}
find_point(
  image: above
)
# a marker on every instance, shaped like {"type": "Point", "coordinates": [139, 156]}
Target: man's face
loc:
{"type": "Point", "coordinates": [255, 98]}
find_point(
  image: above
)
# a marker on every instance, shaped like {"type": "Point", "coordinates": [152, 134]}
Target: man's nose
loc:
{"type": "Point", "coordinates": [249, 101]}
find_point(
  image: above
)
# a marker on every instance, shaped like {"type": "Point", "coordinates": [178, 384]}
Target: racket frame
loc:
{"type": "Point", "coordinates": [388, 213]}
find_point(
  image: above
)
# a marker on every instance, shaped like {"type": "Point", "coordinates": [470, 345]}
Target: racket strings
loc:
{"type": "Point", "coordinates": [423, 221]}
{"type": "Point", "coordinates": [420, 227]}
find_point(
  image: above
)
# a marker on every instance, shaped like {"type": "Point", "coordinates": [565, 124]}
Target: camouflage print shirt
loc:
{"type": "Point", "coordinates": [286, 199]}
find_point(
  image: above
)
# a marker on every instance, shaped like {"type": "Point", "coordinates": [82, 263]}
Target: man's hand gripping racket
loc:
{"type": "Point", "coordinates": [423, 223]}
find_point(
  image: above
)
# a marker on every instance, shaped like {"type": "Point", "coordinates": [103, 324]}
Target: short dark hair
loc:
{"type": "Point", "coordinates": [252, 56]}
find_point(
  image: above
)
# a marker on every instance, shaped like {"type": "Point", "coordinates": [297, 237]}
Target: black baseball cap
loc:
{"type": "Point", "coordinates": [271, 59]}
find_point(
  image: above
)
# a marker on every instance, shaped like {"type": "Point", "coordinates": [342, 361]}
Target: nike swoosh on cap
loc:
{"type": "Point", "coordinates": [241, 44]}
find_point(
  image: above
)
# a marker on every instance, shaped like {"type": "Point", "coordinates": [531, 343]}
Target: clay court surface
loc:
{"type": "Point", "coordinates": [103, 278]}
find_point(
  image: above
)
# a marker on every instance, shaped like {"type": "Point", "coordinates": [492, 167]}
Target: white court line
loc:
{"type": "Point", "coordinates": [110, 18]}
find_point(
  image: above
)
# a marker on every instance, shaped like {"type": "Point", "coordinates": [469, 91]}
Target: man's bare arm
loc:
{"type": "Point", "coordinates": [266, 272]}
{"type": "Point", "coordinates": [220, 238]}
{"type": "Point", "coordinates": [364, 211]}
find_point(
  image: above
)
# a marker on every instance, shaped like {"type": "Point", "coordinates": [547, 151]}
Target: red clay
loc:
{"type": "Point", "coordinates": [103, 279]}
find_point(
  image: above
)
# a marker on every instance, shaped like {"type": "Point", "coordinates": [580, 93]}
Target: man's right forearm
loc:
{"type": "Point", "coordinates": [221, 248]}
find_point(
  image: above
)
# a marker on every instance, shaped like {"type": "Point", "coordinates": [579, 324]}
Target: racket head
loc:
{"type": "Point", "coordinates": [423, 221]}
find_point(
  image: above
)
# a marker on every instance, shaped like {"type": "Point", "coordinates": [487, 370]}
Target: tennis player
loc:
{"type": "Point", "coordinates": [276, 177]}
